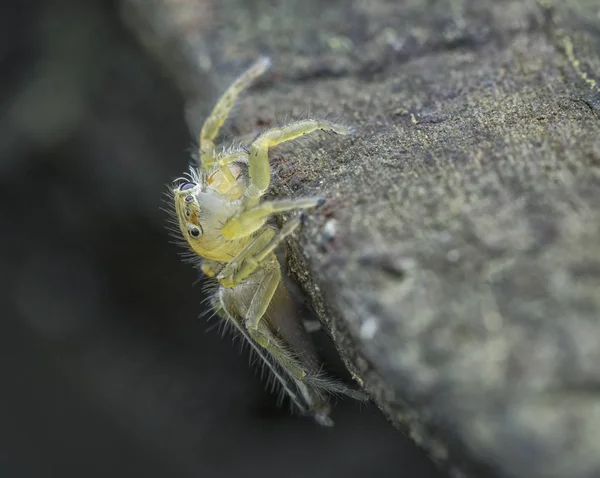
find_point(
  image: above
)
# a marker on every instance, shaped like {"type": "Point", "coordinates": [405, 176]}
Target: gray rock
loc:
{"type": "Point", "coordinates": [457, 262]}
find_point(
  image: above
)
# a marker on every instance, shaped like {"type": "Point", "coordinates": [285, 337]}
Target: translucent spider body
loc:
{"type": "Point", "coordinates": [220, 214]}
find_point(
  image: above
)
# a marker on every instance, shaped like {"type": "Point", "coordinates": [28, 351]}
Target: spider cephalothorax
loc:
{"type": "Point", "coordinates": [219, 212]}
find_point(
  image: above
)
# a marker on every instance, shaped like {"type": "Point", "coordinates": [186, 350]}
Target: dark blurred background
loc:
{"type": "Point", "coordinates": [106, 369]}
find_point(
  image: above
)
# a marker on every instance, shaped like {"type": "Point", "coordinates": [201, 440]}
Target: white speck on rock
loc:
{"type": "Point", "coordinates": [368, 329]}
{"type": "Point", "coordinates": [330, 229]}
{"type": "Point", "coordinates": [453, 255]}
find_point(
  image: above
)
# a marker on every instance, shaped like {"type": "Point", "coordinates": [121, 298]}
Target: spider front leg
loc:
{"type": "Point", "coordinates": [259, 170]}
{"type": "Point", "coordinates": [251, 220]}
{"type": "Point", "coordinates": [253, 257]}
{"type": "Point", "coordinates": [221, 111]}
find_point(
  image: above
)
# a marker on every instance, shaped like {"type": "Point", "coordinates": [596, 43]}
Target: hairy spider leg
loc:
{"type": "Point", "coordinates": [232, 157]}
{"type": "Point", "coordinates": [268, 280]}
{"type": "Point", "coordinates": [253, 256]}
{"type": "Point", "coordinates": [247, 222]}
{"type": "Point", "coordinates": [259, 170]}
{"type": "Point", "coordinates": [309, 398]}
{"type": "Point", "coordinates": [263, 339]}
{"type": "Point", "coordinates": [259, 261]}
{"type": "Point", "coordinates": [221, 111]}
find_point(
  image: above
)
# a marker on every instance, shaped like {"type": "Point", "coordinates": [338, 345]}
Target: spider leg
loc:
{"type": "Point", "coordinates": [247, 303]}
{"type": "Point", "coordinates": [256, 255]}
{"type": "Point", "coordinates": [277, 357]}
{"type": "Point", "coordinates": [231, 157]}
{"type": "Point", "coordinates": [221, 111]}
{"type": "Point", "coordinates": [250, 220]}
{"type": "Point", "coordinates": [258, 158]}
{"type": "Point", "coordinates": [229, 276]}
{"type": "Point", "coordinates": [265, 289]}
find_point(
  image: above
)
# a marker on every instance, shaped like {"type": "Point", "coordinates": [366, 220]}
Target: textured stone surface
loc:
{"type": "Point", "coordinates": [106, 369]}
{"type": "Point", "coordinates": [457, 261]}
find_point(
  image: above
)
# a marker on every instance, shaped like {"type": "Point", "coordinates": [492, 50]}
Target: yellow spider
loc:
{"type": "Point", "coordinates": [219, 212]}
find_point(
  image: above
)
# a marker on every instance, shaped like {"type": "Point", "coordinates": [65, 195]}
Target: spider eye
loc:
{"type": "Point", "coordinates": [185, 186]}
{"type": "Point", "coordinates": [195, 232]}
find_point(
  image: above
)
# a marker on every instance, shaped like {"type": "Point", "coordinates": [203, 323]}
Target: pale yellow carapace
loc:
{"type": "Point", "coordinates": [219, 212]}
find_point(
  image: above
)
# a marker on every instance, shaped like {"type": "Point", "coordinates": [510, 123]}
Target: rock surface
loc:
{"type": "Point", "coordinates": [106, 368]}
{"type": "Point", "coordinates": [457, 261]}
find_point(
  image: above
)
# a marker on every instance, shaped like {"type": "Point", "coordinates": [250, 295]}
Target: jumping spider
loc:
{"type": "Point", "coordinates": [219, 212]}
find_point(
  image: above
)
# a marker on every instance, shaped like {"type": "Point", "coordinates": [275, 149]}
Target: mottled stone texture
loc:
{"type": "Point", "coordinates": [106, 370]}
{"type": "Point", "coordinates": [457, 261]}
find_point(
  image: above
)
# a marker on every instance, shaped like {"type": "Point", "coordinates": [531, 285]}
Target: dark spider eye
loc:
{"type": "Point", "coordinates": [195, 232]}
{"type": "Point", "coordinates": [186, 186]}
{"type": "Point", "coordinates": [188, 199]}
